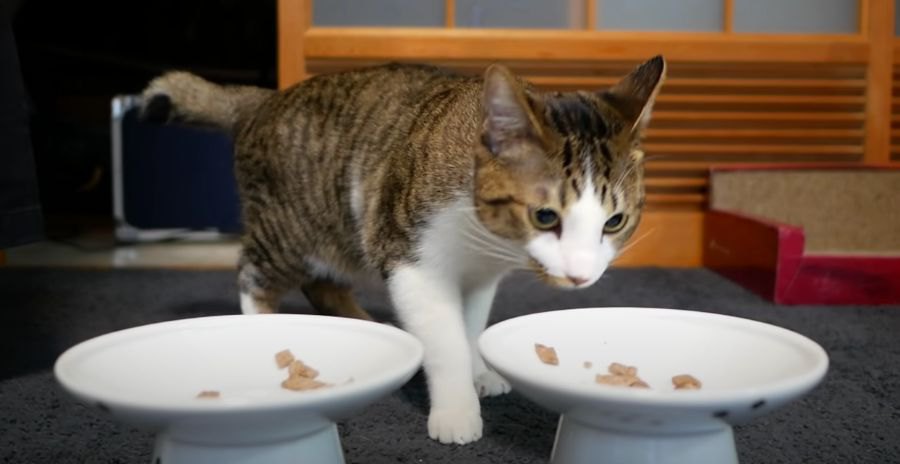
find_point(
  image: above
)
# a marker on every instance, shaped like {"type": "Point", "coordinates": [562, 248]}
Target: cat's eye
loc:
{"type": "Point", "coordinates": [614, 224]}
{"type": "Point", "coordinates": [545, 218]}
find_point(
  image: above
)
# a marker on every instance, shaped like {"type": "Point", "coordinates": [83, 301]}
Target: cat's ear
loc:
{"type": "Point", "coordinates": [634, 95]}
{"type": "Point", "coordinates": [507, 114]}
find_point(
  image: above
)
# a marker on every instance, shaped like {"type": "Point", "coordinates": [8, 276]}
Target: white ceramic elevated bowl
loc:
{"type": "Point", "coordinates": [747, 368]}
{"type": "Point", "coordinates": [150, 376]}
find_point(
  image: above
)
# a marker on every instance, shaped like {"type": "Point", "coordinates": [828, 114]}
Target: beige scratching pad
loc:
{"type": "Point", "coordinates": [843, 211]}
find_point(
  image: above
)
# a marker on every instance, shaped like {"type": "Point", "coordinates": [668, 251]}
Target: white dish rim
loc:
{"type": "Point", "coordinates": [312, 399]}
{"type": "Point", "coordinates": [712, 399]}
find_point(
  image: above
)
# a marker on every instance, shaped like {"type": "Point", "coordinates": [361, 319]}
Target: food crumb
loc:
{"type": "Point", "coordinates": [638, 383]}
{"type": "Point", "coordinates": [300, 376]}
{"type": "Point", "coordinates": [621, 375]}
{"type": "Point", "coordinates": [612, 379]}
{"type": "Point", "coordinates": [621, 369]}
{"type": "Point", "coordinates": [297, 383]}
{"type": "Point", "coordinates": [546, 354]}
{"type": "Point", "coordinates": [686, 382]}
{"type": "Point", "coordinates": [208, 394]}
{"type": "Point", "coordinates": [284, 358]}
{"type": "Point", "coordinates": [298, 369]}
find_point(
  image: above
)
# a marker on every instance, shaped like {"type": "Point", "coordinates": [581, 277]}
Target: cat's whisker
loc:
{"type": "Point", "coordinates": [506, 250]}
{"type": "Point", "coordinates": [656, 157]}
{"type": "Point", "coordinates": [488, 253]}
{"type": "Point", "coordinates": [480, 245]}
{"type": "Point", "coordinates": [487, 236]}
{"type": "Point", "coordinates": [484, 232]}
{"type": "Point", "coordinates": [500, 246]}
{"type": "Point", "coordinates": [634, 242]}
{"type": "Point", "coordinates": [485, 240]}
{"type": "Point", "coordinates": [490, 250]}
{"type": "Point", "coordinates": [517, 264]}
{"type": "Point", "coordinates": [624, 176]}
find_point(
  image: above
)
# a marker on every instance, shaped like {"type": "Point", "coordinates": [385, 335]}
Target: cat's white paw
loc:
{"type": "Point", "coordinates": [489, 383]}
{"type": "Point", "coordinates": [458, 426]}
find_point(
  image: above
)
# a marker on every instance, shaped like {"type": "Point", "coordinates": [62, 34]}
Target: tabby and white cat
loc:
{"type": "Point", "coordinates": [439, 182]}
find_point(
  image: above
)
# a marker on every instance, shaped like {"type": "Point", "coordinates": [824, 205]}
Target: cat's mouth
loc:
{"type": "Point", "coordinates": [554, 280]}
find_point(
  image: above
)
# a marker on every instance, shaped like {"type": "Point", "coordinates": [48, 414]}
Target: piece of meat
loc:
{"type": "Point", "coordinates": [546, 354]}
{"type": "Point", "coordinates": [284, 358]}
{"type": "Point", "coordinates": [302, 383]}
{"type": "Point", "coordinates": [686, 382]}
{"type": "Point", "coordinates": [298, 369]}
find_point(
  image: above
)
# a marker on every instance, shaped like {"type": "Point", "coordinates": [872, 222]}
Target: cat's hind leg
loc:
{"type": "Point", "coordinates": [333, 299]}
{"type": "Point", "coordinates": [260, 293]}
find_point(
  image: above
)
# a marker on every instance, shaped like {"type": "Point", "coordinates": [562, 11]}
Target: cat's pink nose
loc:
{"type": "Point", "coordinates": [576, 280]}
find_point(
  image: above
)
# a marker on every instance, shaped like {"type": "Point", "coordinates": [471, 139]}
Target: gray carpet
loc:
{"type": "Point", "coordinates": [853, 417]}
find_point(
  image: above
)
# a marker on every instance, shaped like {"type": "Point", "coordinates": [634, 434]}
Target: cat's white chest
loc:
{"type": "Point", "coordinates": [459, 247]}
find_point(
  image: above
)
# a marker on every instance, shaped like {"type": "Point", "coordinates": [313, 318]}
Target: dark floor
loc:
{"type": "Point", "coordinates": [853, 417]}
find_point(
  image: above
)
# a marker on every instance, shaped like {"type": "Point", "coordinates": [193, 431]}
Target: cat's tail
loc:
{"type": "Point", "coordinates": [182, 96]}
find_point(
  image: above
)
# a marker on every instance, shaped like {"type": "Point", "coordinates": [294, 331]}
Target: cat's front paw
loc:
{"type": "Point", "coordinates": [489, 383]}
{"type": "Point", "coordinates": [458, 426]}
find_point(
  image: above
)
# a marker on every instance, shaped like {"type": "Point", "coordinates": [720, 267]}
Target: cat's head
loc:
{"type": "Point", "coordinates": [561, 174]}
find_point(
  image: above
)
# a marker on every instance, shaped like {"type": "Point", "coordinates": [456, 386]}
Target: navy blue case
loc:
{"type": "Point", "coordinates": [170, 179]}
